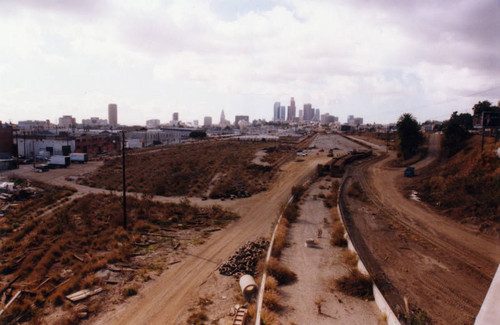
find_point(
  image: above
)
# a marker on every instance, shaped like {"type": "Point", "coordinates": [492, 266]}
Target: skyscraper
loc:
{"type": "Point", "coordinates": [175, 117]}
{"type": "Point", "coordinates": [113, 115]}
{"type": "Point", "coordinates": [207, 121]}
{"type": "Point", "coordinates": [291, 110]}
{"type": "Point", "coordinates": [282, 113]}
{"type": "Point", "coordinates": [308, 112]}
{"type": "Point", "coordinates": [276, 111]}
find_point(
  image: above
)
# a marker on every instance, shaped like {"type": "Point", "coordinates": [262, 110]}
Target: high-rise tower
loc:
{"type": "Point", "coordinates": [291, 110]}
{"type": "Point", "coordinates": [113, 115]}
{"type": "Point", "coordinates": [276, 111]}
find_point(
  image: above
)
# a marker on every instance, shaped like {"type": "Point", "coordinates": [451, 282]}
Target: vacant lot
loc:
{"type": "Point", "coordinates": [222, 168]}
{"type": "Point", "coordinates": [80, 244]}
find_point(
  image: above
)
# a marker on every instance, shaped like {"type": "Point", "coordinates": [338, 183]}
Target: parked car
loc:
{"type": "Point", "coordinates": [301, 154]}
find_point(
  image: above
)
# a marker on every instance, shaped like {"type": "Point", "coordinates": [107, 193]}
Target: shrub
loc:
{"type": "Point", "coordinates": [272, 301]}
{"type": "Point", "coordinates": [338, 238]}
{"type": "Point", "coordinates": [197, 318]}
{"type": "Point", "coordinates": [291, 212]}
{"type": "Point", "coordinates": [297, 192]}
{"type": "Point", "coordinates": [280, 272]}
{"type": "Point", "coordinates": [355, 284]}
{"type": "Point", "coordinates": [129, 291]}
{"type": "Point", "coordinates": [350, 258]}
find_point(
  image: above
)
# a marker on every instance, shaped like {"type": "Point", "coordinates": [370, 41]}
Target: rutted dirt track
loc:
{"type": "Point", "coordinates": [442, 267]}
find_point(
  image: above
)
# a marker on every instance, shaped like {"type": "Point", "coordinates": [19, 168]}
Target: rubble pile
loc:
{"type": "Point", "coordinates": [244, 261]}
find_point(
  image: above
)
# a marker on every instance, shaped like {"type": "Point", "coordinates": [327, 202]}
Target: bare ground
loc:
{"type": "Point", "coordinates": [442, 266]}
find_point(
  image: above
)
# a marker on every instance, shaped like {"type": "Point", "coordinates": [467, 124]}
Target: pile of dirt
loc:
{"type": "Point", "coordinates": [244, 261]}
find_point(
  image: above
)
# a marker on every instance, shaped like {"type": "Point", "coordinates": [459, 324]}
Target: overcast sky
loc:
{"type": "Point", "coordinates": [374, 59]}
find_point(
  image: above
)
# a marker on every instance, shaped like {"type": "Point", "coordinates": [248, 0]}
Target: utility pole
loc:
{"type": "Point", "coordinates": [124, 183]}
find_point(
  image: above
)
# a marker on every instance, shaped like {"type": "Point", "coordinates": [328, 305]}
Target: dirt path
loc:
{"type": "Point", "coordinates": [316, 268]}
{"type": "Point", "coordinates": [443, 267]}
{"type": "Point", "coordinates": [166, 300]}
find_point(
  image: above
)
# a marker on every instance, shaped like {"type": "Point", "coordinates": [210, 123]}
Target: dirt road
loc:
{"type": "Point", "coordinates": [443, 267]}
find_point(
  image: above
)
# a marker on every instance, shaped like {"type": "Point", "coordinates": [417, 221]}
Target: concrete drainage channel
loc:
{"type": "Point", "coordinates": [380, 300]}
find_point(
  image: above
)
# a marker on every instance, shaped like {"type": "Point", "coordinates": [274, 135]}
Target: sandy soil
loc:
{"type": "Point", "coordinates": [443, 267]}
{"type": "Point", "coordinates": [316, 267]}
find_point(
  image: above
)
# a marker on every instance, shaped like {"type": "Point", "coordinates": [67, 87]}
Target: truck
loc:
{"type": "Point", "coordinates": [59, 161]}
{"type": "Point", "coordinates": [409, 172]}
{"type": "Point", "coordinates": [80, 158]}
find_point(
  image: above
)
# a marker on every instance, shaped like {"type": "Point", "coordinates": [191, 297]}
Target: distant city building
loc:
{"type": "Point", "coordinates": [153, 124]}
{"type": "Point", "coordinates": [316, 116]}
{"type": "Point", "coordinates": [291, 110]}
{"type": "Point", "coordinates": [358, 120]}
{"type": "Point", "coordinates": [30, 125]}
{"type": "Point", "coordinates": [308, 112]}
{"type": "Point", "coordinates": [223, 122]}
{"type": "Point", "coordinates": [196, 123]}
{"type": "Point", "coordinates": [94, 122]}
{"type": "Point", "coordinates": [175, 117]}
{"type": "Point", "coordinates": [282, 113]}
{"type": "Point", "coordinates": [66, 121]}
{"type": "Point", "coordinates": [207, 121]}
{"type": "Point", "coordinates": [276, 111]}
{"type": "Point", "coordinates": [350, 119]}
{"type": "Point", "coordinates": [113, 115]}
{"type": "Point", "coordinates": [239, 118]}
{"type": "Point", "coordinates": [301, 114]}
{"type": "Point", "coordinates": [327, 118]}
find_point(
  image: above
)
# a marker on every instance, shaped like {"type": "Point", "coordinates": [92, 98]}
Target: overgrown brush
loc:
{"type": "Point", "coordinates": [355, 284]}
{"type": "Point", "coordinates": [280, 272]}
{"type": "Point", "coordinates": [280, 238]}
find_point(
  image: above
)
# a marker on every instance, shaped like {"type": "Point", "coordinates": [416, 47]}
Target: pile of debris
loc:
{"type": "Point", "coordinates": [244, 261]}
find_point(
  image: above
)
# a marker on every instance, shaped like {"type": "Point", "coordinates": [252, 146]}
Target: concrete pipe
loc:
{"type": "Point", "coordinates": [248, 287]}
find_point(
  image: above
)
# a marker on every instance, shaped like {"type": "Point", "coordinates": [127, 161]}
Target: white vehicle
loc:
{"type": "Point", "coordinates": [301, 154]}
{"type": "Point", "coordinates": [59, 161]}
{"type": "Point", "coordinates": [79, 157]}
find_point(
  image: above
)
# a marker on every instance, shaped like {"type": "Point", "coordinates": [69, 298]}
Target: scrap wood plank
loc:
{"type": "Point", "coordinates": [82, 294]}
{"type": "Point", "coordinates": [11, 301]}
{"type": "Point", "coordinates": [9, 284]}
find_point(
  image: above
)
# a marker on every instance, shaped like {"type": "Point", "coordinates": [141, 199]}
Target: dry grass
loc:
{"type": "Point", "coordinates": [350, 258]}
{"type": "Point", "coordinates": [272, 301]}
{"type": "Point", "coordinates": [280, 238]}
{"type": "Point", "coordinates": [338, 231]}
{"type": "Point", "coordinates": [175, 170]}
{"type": "Point", "coordinates": [84, 237]}
{"type": "Point", "coordinates": [268, 317]}
{"type": "Point", "coordinates": [280, 272]}
{"type": "Point", "coordinates": [355, 284]}
{"type": "Point", "coordinates": [465, 186]}
{"type": "Point", "coordinates": [197, 318]}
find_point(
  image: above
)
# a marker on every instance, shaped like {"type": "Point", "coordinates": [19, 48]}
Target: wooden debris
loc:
{"type": "Point", "coordinates": [9, 284]}
{"type": "Point", "coordinates": [11, 301]}
{"type": "Point", "coordinates": [78, 257]}
{"type": "Point", "coordinates": [83, 294]}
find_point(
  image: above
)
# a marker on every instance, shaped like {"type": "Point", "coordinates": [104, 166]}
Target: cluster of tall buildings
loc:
{"type": "Point", "coordinates": [307, 114]}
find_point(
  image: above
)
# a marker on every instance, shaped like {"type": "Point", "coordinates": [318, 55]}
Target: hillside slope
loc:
{"type": "Point", "coordinates": [466, 186]}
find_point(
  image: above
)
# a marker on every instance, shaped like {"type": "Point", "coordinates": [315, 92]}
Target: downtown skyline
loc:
{"type": "Point", "coordinates": [198, 58]}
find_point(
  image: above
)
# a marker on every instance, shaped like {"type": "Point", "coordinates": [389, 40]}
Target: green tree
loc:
{"type": "Point", "coordinates": [197, 134]}
{"type": "Point", "coordinates": [409, 134]}
{"type": "Point", "coordinates": [480, 107]}
{"type": "Point", "coordinates": [455, 132]}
